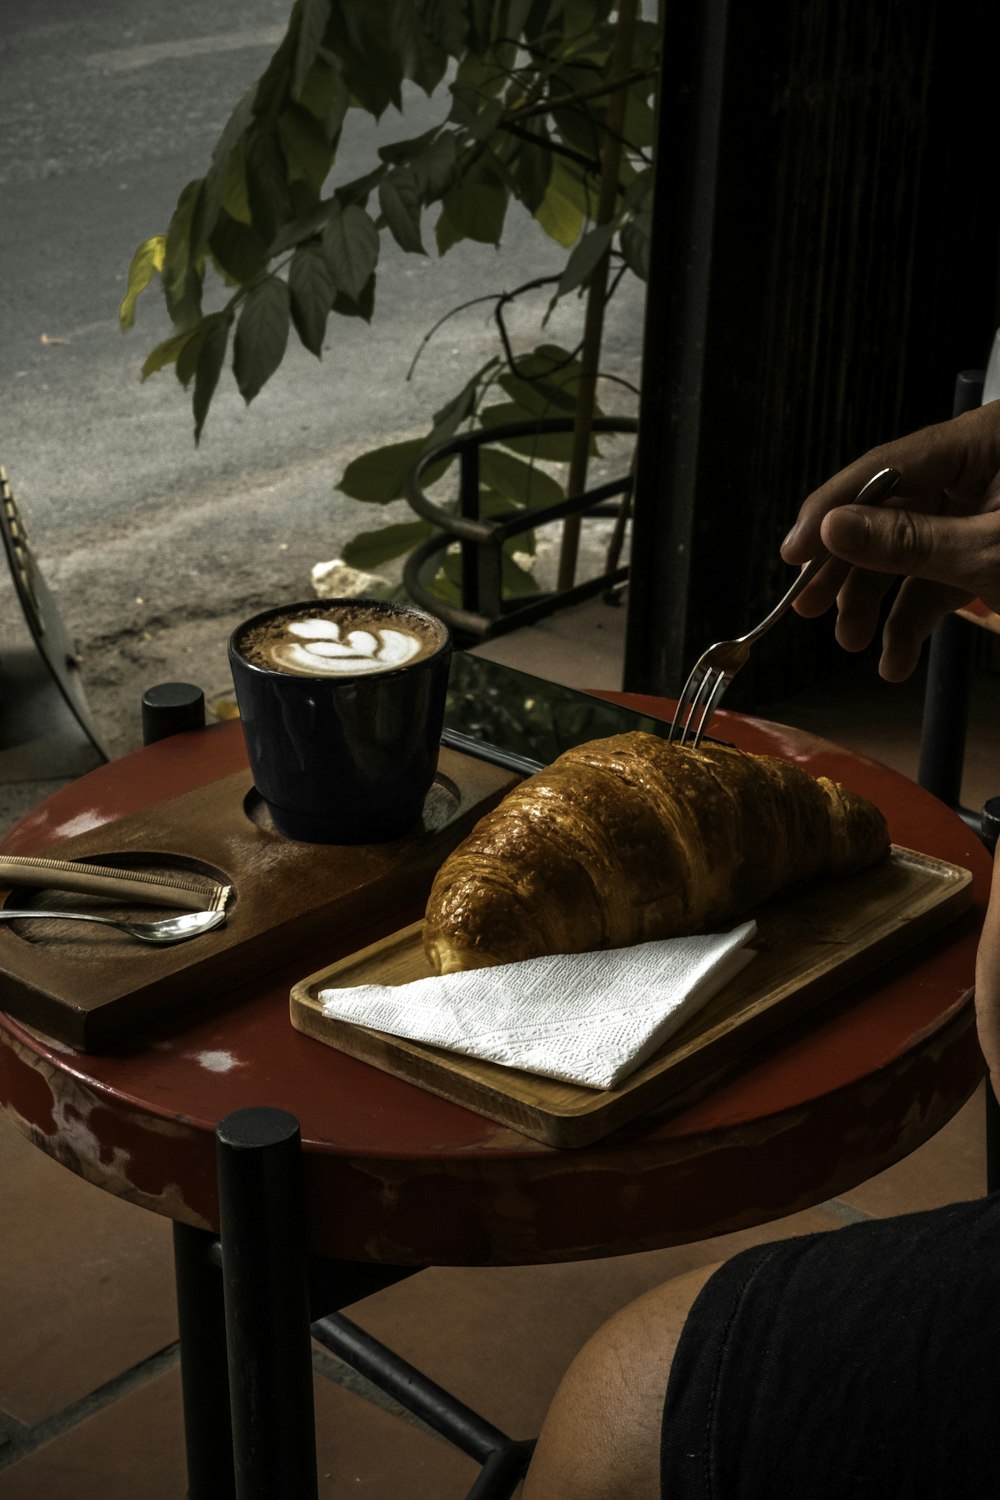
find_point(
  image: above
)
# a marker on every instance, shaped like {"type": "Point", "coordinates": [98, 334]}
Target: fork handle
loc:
{"type": "Point", "coordinates": [878, 487]}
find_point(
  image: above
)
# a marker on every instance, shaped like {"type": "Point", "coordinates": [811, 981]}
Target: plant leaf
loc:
{"type": "Point", "coordinates": [313, 15]}
{"type": "Point", "coordinates": [399, 200]}
{"type": "Point", "coordinates": [532, 169]}
{"type": "Point", "coordinates": [434, 165]}
{"type": "Point", "coordinates": [515, 480]}
{"type": "Point", "coordinates": [380, 475]}
{"type": "Point", "coordinates": [636, 242]}
{"type": "Point", "coordinates": [475, 205]}
{"type": "Point", "coordinates": [211, 357]}
{"type": "Point", "coordinates": [364, 307]}
{"type": "Point", "coordinates": [369, 549]}
{"type": "Point", "coordinates": [304, 228]}
{"type": "Point", "coordinates": [584, 259]}
{"type": "Point", "coordinates": [217, 185]}
{"type": "Point", "coordinates": [326, 97]}
{"type": "Point", "coordinates": [446, 233]}
{"type": "Point", "coordinates": [308, 153]}
{"type": "Point", "coordinates": [351, 243]}
{"type": "Point", "coordinates": [640, 119]}
{"type": "Point", "coordinates": [554, 447]}
{"type": "Point", "coordinates": [267, 184]}
{"type": "Point", "coordinates": [165, 353]}
{"type": "Point", "coordinates": [372, 58]}
{"type": "Point", "coordinates": [539, 398]}
{"type": "Point", "coordinates": [311, 287]}
{"type": "Point", "coordinates": [234, 196]}
{"type": "Point", "coordinates": [261, 335]}
{"type": "Point", "coordinates": [181, 278]}
{"type": "Point", "coordinates": [447, 24]}
{"type": "Point", "coordinates": [148, 258]}
{"type": "Point", "coordinates": [561, 211]}
{"type": "Point", "coordinates": [238, 250]}
{"type": "Point", "coordinates": [454, 412]}
{"type": "Point", "coordinates": [515, 581]}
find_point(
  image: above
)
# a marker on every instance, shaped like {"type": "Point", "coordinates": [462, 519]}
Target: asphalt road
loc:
{"type": "Point", "coordinates": [152, 548]}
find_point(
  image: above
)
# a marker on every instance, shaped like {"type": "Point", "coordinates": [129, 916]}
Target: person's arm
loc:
{"type": "Point", "coordinates": [988, 986]}
{"type": "Point", "coordinates": [940, 531]}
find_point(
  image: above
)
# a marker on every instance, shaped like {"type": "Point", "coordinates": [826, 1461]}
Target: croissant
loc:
{"type": "Point", "coordinates": [631, 838]}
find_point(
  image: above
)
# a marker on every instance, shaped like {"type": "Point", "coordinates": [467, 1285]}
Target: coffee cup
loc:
{"type": "Point", "coordinates": [342, 704]}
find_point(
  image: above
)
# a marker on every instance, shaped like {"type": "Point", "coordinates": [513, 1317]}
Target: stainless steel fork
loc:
{"type": "Point", "coordinates": [718, 665]}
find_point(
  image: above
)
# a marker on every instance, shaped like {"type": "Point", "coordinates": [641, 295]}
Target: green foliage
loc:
{"type": "Point", "coordinates": [525, 96]}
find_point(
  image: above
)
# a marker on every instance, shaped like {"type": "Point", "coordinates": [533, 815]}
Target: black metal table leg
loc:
{"type": "Point", "coordinates": [267, 1305]}
{"type": "Point", "coordinates": [208, 1433]}
{"type": "Point", "coordinates": [946, 709]}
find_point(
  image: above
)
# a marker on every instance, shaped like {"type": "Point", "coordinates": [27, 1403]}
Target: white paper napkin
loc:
{"type": "Point", "coordinates": [587, 1018]}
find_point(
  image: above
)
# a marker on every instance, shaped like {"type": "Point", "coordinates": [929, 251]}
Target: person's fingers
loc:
{"type": "Point", "coordinates": [859, 608]}
{"type": "Point", "coordinates": [919, 606]}
{"type": "Point", "coordinates": [961, 551]}
{"type": "Point", "coordinates": [817, 597]}
{"type": "Point", "coordinates": [951, 465]}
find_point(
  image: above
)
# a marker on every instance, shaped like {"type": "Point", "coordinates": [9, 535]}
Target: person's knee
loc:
{"type": "Point", "coordinates": [601, 1436]}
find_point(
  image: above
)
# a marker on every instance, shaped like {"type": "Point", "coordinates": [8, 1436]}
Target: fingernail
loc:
{"type": "Point", "coordinates": [790, 538]}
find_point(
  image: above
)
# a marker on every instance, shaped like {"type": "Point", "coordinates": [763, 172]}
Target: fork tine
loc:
{"type": "Point", "coordinates": [722, 681]}
{"type": "Point", "coordinates": [699, 695]}
{"type": "Point", "coordinates": [685, 703]}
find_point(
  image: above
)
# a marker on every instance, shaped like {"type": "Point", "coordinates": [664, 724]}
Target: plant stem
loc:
{"type": "Point", "coordinates": [552, 102]}
{"type": "Point", "coordinates": [597, 295]}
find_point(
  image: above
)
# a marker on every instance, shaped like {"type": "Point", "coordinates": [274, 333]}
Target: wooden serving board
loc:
{"type": "Point", "coordinates": [92, 986]}
{"type": "Point", "coordinates": [810, 944]}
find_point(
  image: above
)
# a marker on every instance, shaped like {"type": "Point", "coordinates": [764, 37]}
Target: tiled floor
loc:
{"type": "Point", "coordinates": [89, 1385]}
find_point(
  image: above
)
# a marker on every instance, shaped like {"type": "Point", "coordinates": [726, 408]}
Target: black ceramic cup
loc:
{"type": "Point", "coordinates": [346, 758]}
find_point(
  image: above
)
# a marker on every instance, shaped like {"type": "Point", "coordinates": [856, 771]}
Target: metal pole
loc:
{"type": "Point", "coordinates": [675, 344]}
{"type": "Point", "coordinates": [266, 1289]}
{"type": "Point", "coordinates": [208, 1433]}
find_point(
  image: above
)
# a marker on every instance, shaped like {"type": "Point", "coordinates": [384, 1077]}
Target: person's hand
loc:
{"type": "Point", "coordinates": [940, 530]}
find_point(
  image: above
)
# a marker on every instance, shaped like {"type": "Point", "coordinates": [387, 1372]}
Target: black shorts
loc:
{"type": "Point", "coordinates": [862, 1362]}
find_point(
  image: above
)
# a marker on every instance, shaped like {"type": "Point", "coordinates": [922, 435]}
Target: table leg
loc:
{"type": "Point", "coordinates": [208, 1432]}
{"type": "Point", "coordinates": [262, 1232]}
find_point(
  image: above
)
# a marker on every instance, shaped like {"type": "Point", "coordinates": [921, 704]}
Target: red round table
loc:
{"type": "Point", "coordinates": [395, 1175]}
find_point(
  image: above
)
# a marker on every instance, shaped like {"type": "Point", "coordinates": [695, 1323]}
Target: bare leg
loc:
{"type": "Point", "coordinates": [601, 1435]}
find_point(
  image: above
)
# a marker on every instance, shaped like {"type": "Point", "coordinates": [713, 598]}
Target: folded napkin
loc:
{"type": "Point", "coordinates": [587, 1018]}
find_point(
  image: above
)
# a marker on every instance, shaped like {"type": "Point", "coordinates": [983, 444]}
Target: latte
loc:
{"type": "Point", "coordinates": [341, 639]}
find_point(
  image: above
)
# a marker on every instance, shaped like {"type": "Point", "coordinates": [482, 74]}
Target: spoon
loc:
{"type": "Point", "coordinates": [167, 930]}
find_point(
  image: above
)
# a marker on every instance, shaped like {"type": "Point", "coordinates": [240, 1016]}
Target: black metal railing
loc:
{"type": "Point", "coordinates": [484, 611]}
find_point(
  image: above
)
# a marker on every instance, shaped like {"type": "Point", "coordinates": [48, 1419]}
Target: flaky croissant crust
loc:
{"type": "Point", "coordinates": [631, 838]}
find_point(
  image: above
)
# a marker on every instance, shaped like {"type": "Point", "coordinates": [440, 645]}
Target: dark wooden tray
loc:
{"type": "Point", "coordinates": [91, 986]}
{"type": "Point", "coordinates": [811, 943]}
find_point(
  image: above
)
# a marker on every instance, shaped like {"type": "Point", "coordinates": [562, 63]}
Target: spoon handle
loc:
{"type": "Point", "coordinates": [14, 914]}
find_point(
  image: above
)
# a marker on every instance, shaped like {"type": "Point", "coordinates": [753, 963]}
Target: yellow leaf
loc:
{"type": "Point", "coordinates": [147, 259]}
{"type": "Point", "coordinates": [560, 213]}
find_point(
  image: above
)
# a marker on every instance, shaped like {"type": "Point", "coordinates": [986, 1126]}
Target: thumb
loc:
{"type": "Point", "coordinates": [957, 550]}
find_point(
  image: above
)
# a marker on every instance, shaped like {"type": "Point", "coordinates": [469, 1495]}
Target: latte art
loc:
{"type": "Point", "coordinates": [320, 648]}
{"type": "Point", "coordinates": [342, 639]}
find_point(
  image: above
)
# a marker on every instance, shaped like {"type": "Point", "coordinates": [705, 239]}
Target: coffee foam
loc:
{"type": "Point", "coordinates": [358, 643]}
